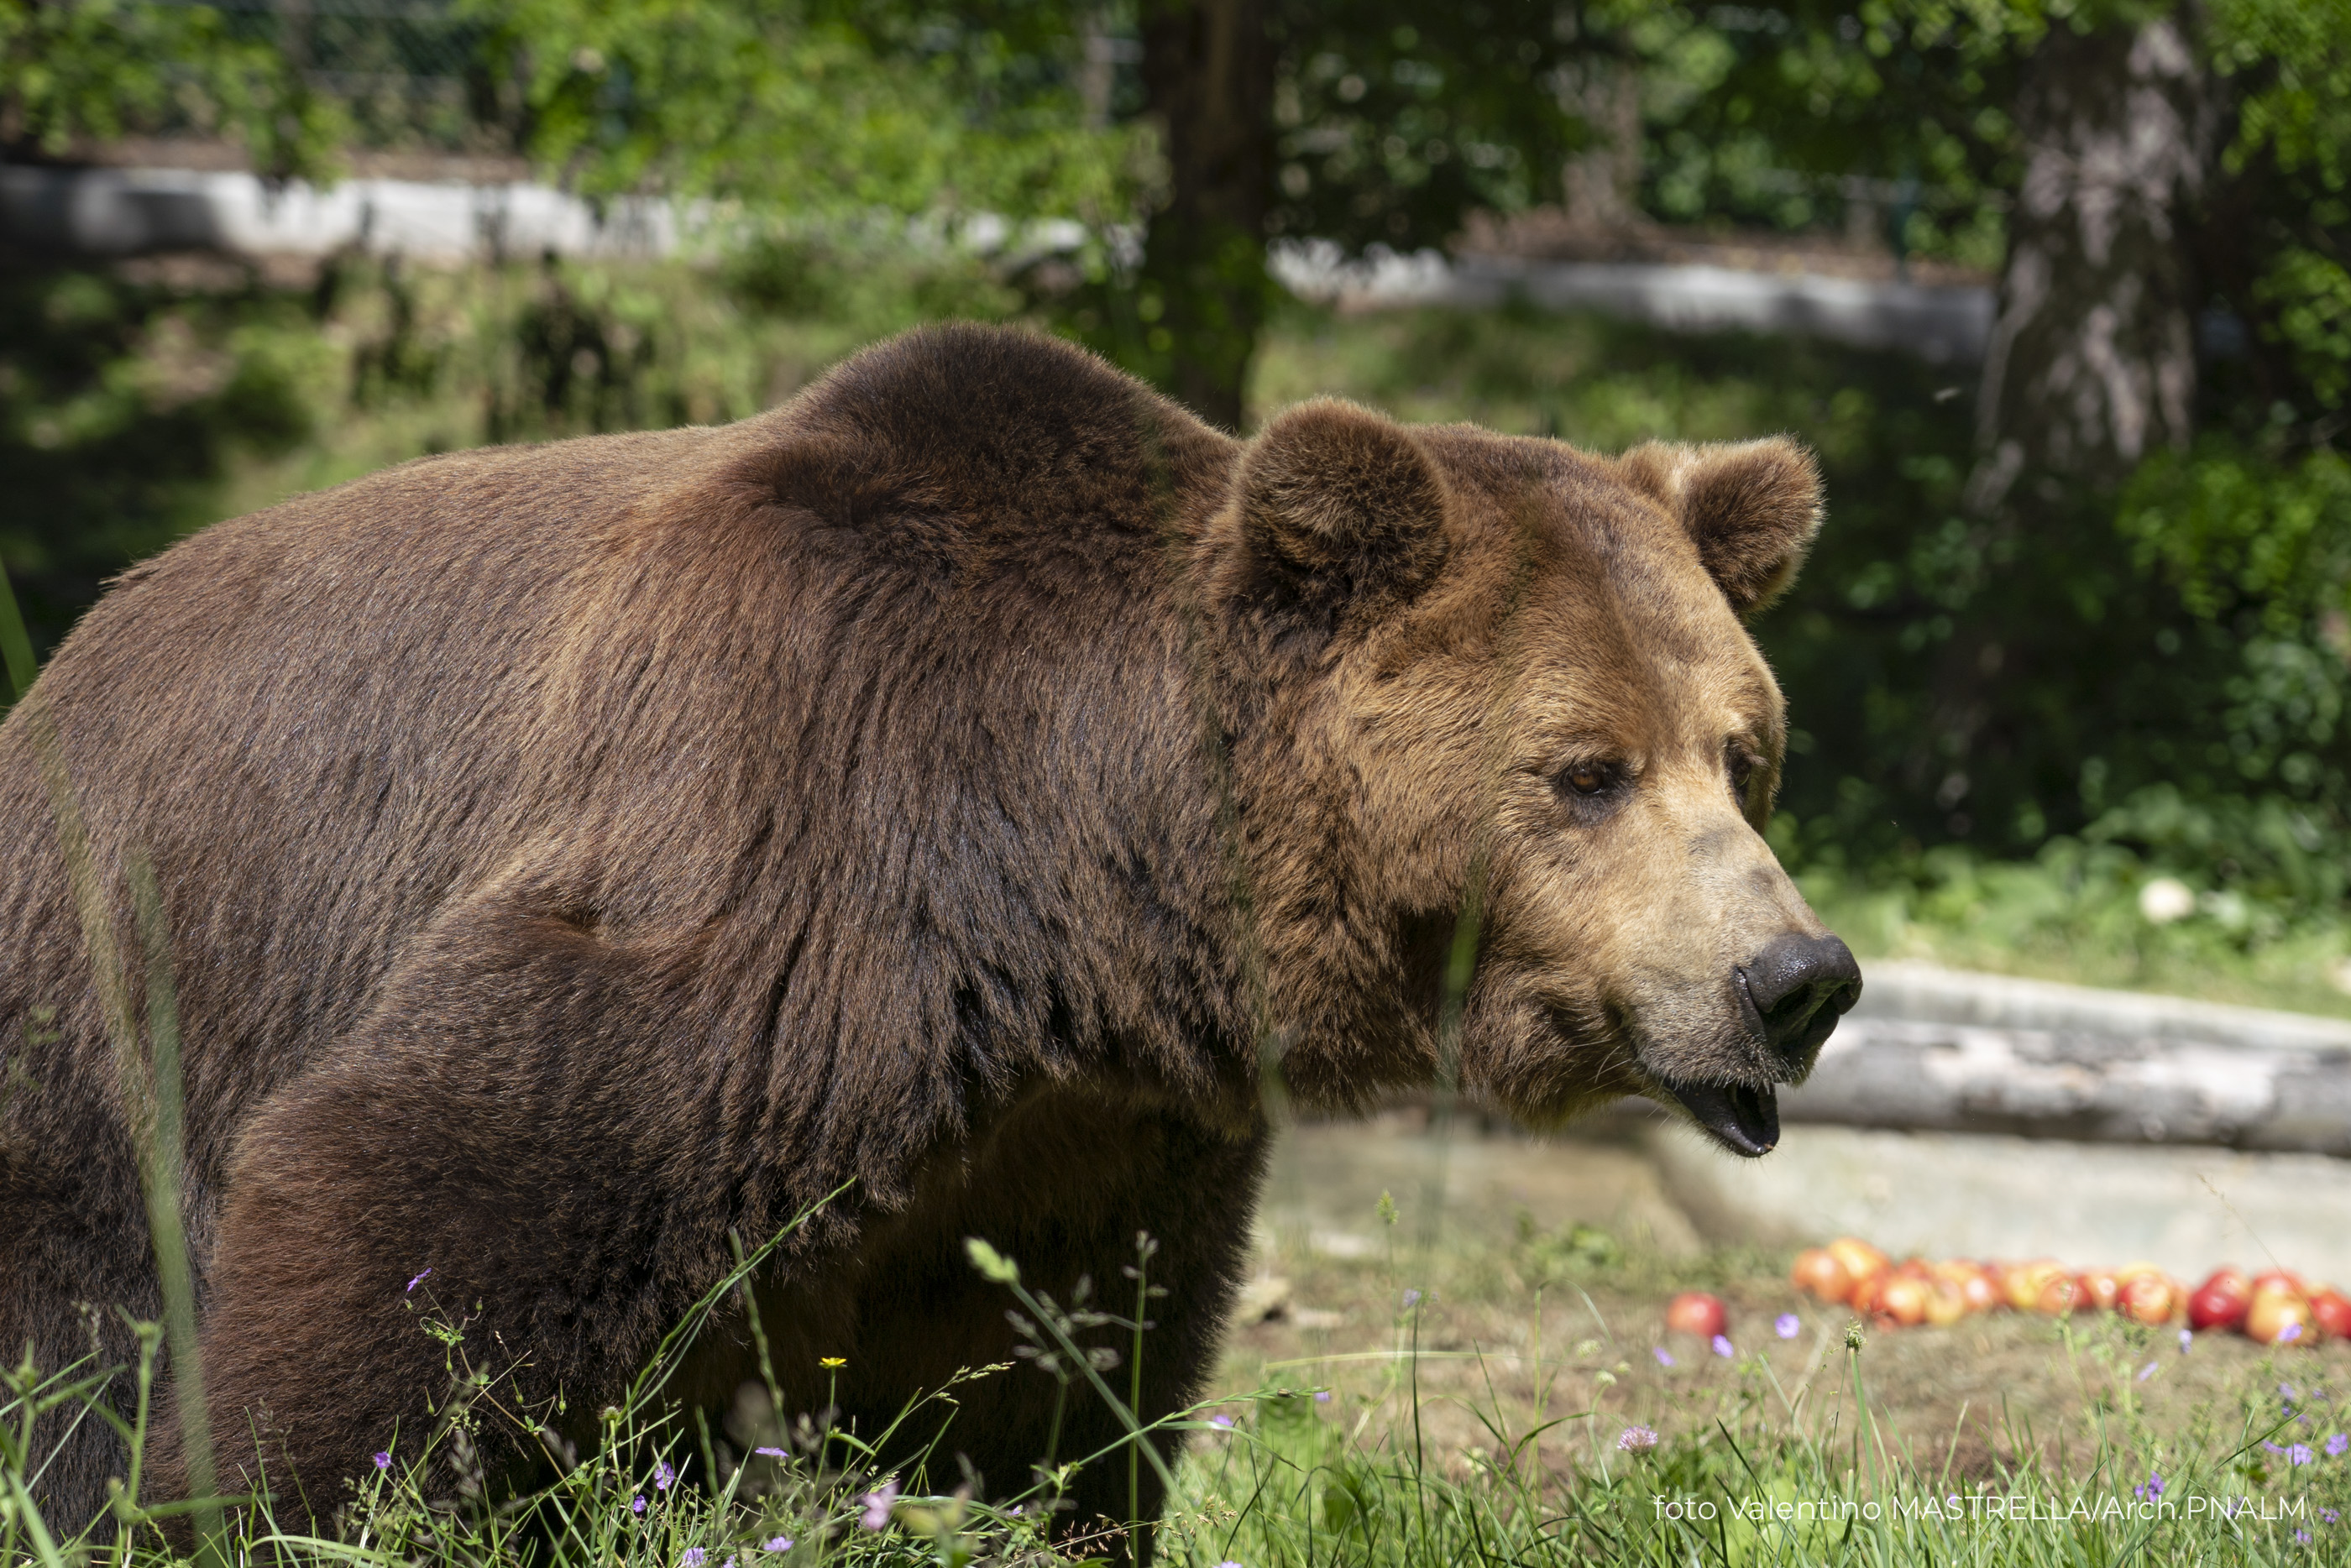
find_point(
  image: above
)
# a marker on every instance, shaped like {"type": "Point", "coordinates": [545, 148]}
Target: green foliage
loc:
{"type": "Point", "coordinates": [138, 405]}
{"type": "Point", "coordinates": [102, 68]}
{"type": "Point", "coordinates": [1394, 119]}
{"type": "Point", "coordinates": [121, 403]}
{"type": "Point", "coordinates": [2265, 931]}
{"type": "Point", "coordinates": [2294, 59]}
{"type": "Point", "coordinates": [2236, 530]}
{"type": "Point", "coordinates": [811, 108]}
{"type": "Point", "coordinates": [1887, 115]}
{"type": "Point", "coordinates": [2288, 62]}
{"type": "Point", "coordinates": [2311, 295]}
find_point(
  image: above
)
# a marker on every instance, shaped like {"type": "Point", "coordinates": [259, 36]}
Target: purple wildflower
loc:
{"type": "Point", "coordinates": [1411, 1299]}
{"type": "Point", "coordinates": [637, 1503]}
{"type": "Point", "coordinates": [2150, 1488]}
{"type": "Point", "coordinates": [878, 1504]}
{"type": "Point", "coordinates": [2147, 1371]}
{"type": "Point", "coordinates": [2289, 1333]}
{"type": "Point", "coordinates": [693, 1558]}
{"type": "Point", "coordinates": [2288, 1391]}
{"type": "Point", "coordinates": [1323, 1396]}
{"type": "Point", "coordinates": [2271, 1446]}
{"type": "Point", "coordinates": [2336, 1445]}
{"type": "Point", "coordinates": [383, 1461]}
{"type": "Point", "coordinates": [2303, 1536]}
{"type": "Point", "coordinates": [1723, 1348]}
{"type": "Point", "coordinates": [418, 1280]}
{"type": "Point", "coordinates": [2329, 1515]}
{"type": "Point", "coordinates": [772, 1453]}
{"type": "Point", "coordinates": [776, 1543]}
{"type": "Point", "coordinates": [1787, 1325]}
{"type": "Point", "coordinates": [1636, 1439]}
{"type": "Point", "coordinates": [1221, 1423]}
{"type": "Point", "coordinates": [662, 1476]}
{"type": "Point", "coordinates": [1664, 1358]}
{"type": "Point", "coordinates": [2298, 1455]}
{"type": "Point", "coordinates": [2187, 1338]}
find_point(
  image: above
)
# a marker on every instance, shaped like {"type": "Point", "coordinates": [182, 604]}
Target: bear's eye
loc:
{"type": "Point", "coordinates": [1742, 771]}
{"type": "Point", "coordinates": [1588, 778]}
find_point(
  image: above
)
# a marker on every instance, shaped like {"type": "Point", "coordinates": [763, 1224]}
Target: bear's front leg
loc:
{"type": "Point", "coordinates": [1062, 1185]}
{"type": "Point", "coordinates": [505, 1185]}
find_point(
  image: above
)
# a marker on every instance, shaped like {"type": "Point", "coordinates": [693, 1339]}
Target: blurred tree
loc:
{"type": "Point", "coordinates": [72, 71]}
{"type": "Point", "coordinates": [1355, 121]}
{"type": "Point", "coordinates": [1207, 73]}
{"type": "Point", "coordinates": [2093, 360]}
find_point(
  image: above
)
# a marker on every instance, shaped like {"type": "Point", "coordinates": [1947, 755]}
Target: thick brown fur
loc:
{"type": "Point", "coordinates": [950, 783]}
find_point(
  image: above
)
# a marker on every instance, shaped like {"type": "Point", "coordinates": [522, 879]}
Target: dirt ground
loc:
{"type": "Point", "coordinates": [1533, 1276]}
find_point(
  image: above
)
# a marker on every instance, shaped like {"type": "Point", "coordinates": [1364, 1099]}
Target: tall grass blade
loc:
{"type": "Point", "coordinates": [16, 644]}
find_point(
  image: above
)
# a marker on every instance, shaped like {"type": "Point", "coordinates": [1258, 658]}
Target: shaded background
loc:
{"type": "Point", "coordinates": [2081, 617]}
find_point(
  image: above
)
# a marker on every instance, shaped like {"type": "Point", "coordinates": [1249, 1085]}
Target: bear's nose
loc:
{"type": "Point", "coordinates": [1800, 986]}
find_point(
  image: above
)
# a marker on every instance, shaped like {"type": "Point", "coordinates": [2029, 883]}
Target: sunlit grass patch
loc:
{"type": "Point", "coordinates": [1511, 1405]}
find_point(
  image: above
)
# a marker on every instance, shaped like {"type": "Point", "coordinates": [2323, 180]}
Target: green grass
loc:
{"type": "Point", "coordinates": [2073, 916]}
{"type": "Point", "coordinates": [1481, 1418]}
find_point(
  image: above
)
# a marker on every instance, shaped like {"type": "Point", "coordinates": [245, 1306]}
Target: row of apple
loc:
{"type": "Point", "coordinates": [2274, 1308]}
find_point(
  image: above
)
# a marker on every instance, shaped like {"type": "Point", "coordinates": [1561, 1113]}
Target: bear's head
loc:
{"type": "Point", "coordinates": [1507, 755]}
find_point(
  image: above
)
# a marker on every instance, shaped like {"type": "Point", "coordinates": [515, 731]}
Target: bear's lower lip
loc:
{"type": "Point", "coordinates": [1743, 1119]}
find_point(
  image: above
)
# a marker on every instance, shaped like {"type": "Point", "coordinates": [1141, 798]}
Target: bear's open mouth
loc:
{"type": "Point", "coordinates": [1743, 1119]}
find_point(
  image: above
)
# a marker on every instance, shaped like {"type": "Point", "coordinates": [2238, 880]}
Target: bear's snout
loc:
{"type": "Point", "coordinates": [1792, 993]}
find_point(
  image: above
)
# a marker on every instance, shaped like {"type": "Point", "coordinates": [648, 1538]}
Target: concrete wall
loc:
{"type": "Point", "coordinates": [1978, 1115]}
{"type": "Point", "coordinates": [112, 212]}
{"type": "Point", "coordinates": [133, 212]}
{"type": "Point", "coordinates": [1938, 323]}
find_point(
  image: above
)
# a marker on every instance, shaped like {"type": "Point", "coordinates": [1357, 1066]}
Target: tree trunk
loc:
{"type": "Point", "coordinates": [2091, 363]}
{"type": "Point", "coordinates": [2093, 360]}
{"type": "Point", "coordinates": [1207, 73]}
{"type": "Point", "coordinates": [1602, 184]}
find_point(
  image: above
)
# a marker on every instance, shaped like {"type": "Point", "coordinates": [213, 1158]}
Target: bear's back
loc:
{"type": "Point", "coordinates": [327, 723]}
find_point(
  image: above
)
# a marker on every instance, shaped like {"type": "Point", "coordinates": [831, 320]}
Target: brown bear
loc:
{"type": "Point", "coordinates": [966, 782]}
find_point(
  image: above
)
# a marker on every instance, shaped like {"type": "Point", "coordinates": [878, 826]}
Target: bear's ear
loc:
{"type": "Point", "coordinates": [1752, 509]}
{"type": "Point", "coordinates": [1340, 509]}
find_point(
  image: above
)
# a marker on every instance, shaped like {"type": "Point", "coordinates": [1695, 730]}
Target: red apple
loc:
{"type": "Point", "coordinates": [2102, 1289]}
{"type": "Point", "coordinates": [2281, 1279]}
{"type": "Point", "coordinates": [2060, 1292]}
{"type": "Point", "coordinates": [1817, 1272]}
{"type": "Point", "coordinates": [1902, 1301]}
{"type": "Point", "coordinates": [2280, 1316]}
{"type": "Point", "coordinates": [1861, 1262]}
{"type": "Point", "coordinates": [1946, 1301]}
{"type": "Point", "coordinates": [2151, 1298]}
{"type": "Point", "coordinates": [1695, 1312]}
{"type": "Point", "coordinates": [2025, 1281]}
{"type": "Point", "coordinates": [2220, 1301]}
{"type": "Point", "coordinates": [2332, 1308]}
{"type": "Point", "coordinates": [1975, 1284]}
